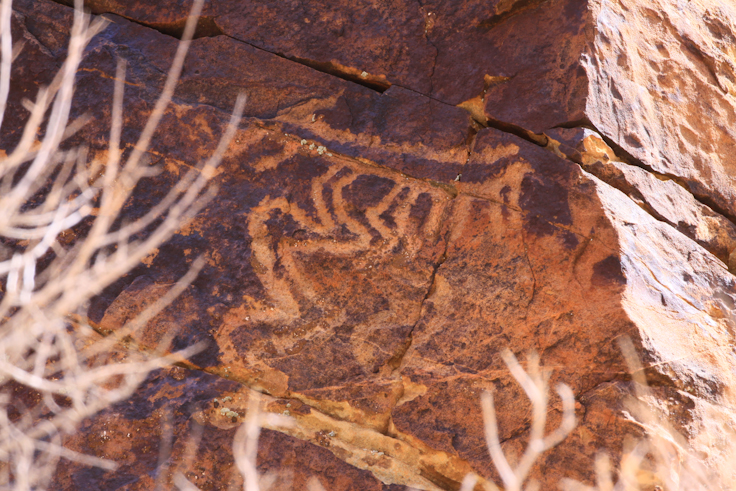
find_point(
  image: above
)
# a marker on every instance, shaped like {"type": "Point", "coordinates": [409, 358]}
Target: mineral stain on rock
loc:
{"type": "Point", "coordinates": [608, 270]}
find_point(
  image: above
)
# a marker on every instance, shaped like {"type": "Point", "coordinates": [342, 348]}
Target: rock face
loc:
{"type": "Point", "coordinates": [415, 187]}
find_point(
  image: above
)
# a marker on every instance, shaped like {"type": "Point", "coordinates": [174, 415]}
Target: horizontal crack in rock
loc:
{"type": "Point", "coordinates": [625, 157]}
{"type": "Point", "coordinates": [606, 169]}
{"type": "Point", "coordinates": [378, 83]}
{"type": "Point", "coordinates": [207, 27]}
{"type": "Point", "coordinates": [476, 109]}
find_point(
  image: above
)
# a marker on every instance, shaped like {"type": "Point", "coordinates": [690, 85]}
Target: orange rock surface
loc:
{"type": "Point", "coordinates": [415, 187]}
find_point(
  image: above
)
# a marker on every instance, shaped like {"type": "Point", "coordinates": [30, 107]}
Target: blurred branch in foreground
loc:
{"type": "Point", "coordinates": [535, 383]}
{"type": "Point", "coordinates": [45, 190]}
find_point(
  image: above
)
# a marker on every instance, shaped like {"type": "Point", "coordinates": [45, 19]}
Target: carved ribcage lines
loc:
{"type": "Point", "coordinates": [334, 214]}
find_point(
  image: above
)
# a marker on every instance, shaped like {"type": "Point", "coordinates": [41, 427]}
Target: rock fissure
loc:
{"type": "Point", "coordinates": [475, 108]}
{"type": "Point", "coordinates": [428, 96]}
{"type": "Point", "coordinates": [625, 157]}
{"type": "Point", "coordinates": [377, 83]}
{"type": "Point", "coordinates": [398, 358]}
{"type": "Point", "coordinates": [697, 217]}
{"type": "Point", "coordinates": [207, 27]}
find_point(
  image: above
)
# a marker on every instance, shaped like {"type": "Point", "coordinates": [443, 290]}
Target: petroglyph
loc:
{"type": "Point", "coordinates": [356, 212]}
{"type": "Point", "coordinates": [344, 252]}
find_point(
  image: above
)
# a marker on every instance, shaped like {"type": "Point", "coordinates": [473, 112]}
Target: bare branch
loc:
{"type": "Point", "coordinates": [46, 343]}
{"type": "Point", "coordinates": [535, 385]}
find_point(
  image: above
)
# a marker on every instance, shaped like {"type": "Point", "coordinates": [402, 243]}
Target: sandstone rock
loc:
{"type": "Point", "coordinates": [643, 75]}
{"type": "Point", "coordinates": [660, 196]}
{"type": "Point", "coordinates": [134, 433]}
{"type": "Point", "coordinates": [660, 86]}
{"type": "Point", "coordinates": [373, 247]}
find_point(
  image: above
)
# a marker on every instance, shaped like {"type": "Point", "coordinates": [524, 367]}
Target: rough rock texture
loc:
{"type": "Point", "coordinates": [415, 187]}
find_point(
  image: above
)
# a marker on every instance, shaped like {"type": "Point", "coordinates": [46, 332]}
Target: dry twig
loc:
{"type": "Point", "coordinates": [535, 385]}
{"type": "Point", "coordinates": [40, 347]}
